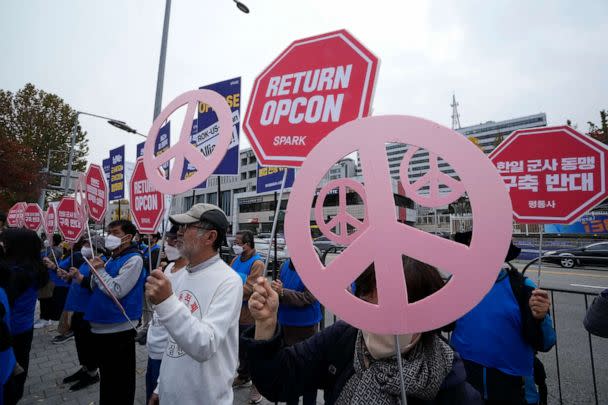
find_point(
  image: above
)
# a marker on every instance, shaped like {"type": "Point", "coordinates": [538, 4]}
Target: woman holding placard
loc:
{"type": "Point", "coordinates": [355, 366]}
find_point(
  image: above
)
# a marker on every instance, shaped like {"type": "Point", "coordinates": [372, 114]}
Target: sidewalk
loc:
{"type": "Point", "coordinates": [50, 363]}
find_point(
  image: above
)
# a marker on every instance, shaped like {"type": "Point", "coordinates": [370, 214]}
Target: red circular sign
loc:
{"type": "Point", "coordinates": [96, 192]}
{"type": "Point", "coordinates": [32, 217]}
{"type": "Point", "coordinates": [553, 174]}
{"type": "Point", "coordinates": [146, 203]}
{"type": "Point", "coordinates": [313, 87]}
{"type": "Point", "coordinates": [69, 220]}
{"type": "Point", "coordinates": [15, 215]}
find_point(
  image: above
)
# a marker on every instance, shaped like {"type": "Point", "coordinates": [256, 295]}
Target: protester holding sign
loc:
{"type": "Point", "coordinates": [351, 365]}
{"type": "Point", "coordinates": [201, 317]}
{"type": "Point", "coordinates": [77, 302]}
{"type": "Point", "coordinates": [497, 339]}
{"type": "Point", "coordinates": [299, 314]}
{"type": "Point", "coordinates": [20, 252]}
{"type": "Point", "coordinates": [112, 333]}
{"type": "Point", "coordinates": [158, 336]}
{"type": "Point", "coordinates": [249, 265]}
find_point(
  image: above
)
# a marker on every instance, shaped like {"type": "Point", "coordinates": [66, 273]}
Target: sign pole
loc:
{"type": "Point", "coordinates": [162, 244]}
{"type": "Point", "coordinates": [274, 222]}
{"type": "Point", "coordinates": [540, 254]}
{"type": "Point", "coordinates": [401, 376]}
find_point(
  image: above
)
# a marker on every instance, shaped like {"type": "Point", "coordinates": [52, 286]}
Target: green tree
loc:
{"type": "Point", "coordinates": [599, 132]}
{"type": "Point", "coordinates": [39, 121]}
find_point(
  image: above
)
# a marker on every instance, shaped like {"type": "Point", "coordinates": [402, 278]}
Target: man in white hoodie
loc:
{"type": "Point", "coordinates": [201, 317]}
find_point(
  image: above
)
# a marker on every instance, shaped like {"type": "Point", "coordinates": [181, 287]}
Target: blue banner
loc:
{"type": "Point", "coordinates": [188, 169]}
{"type": "Point", "coordinates": [117, 173]}
{"type": "Point", "coordinates": [163, 142]}
{"type": "Point", "coordinates": [206, 137]}
{"type": "Point", "coordinates": [140, 150]}
{"type": "Point", "coordinates": [271, 178]}
{"type": "Point", "coordinates": [106, 169]}
{"type": "Point", "coordinates": [588, 225]}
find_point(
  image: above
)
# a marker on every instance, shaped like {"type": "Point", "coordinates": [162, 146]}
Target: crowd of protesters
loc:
{"type": "Point", "coordinates": [211, 327]}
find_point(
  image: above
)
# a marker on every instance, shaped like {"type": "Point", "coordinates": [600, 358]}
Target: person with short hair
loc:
{"type": "Point", "coordinates": [249, 265]}
{"type": "Point", "coordinates": [113, 334]}
{"type": "Point", "coordinates": [201, 316]}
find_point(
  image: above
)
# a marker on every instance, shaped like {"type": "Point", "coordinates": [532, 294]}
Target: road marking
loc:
{"type": "Point", "coordinates": [563, 273]}
{"type": "Point", "coordinates": [588, 286]}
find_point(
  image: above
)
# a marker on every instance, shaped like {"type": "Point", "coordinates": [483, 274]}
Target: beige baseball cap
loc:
{"type": "Point", "coordinates": [202, 212]}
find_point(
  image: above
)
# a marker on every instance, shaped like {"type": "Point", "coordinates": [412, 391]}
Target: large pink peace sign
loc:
{"type": "Point", "coordinates": [184, 148]}
{"type": "Point", "coordinates": [385, 240]}
{"type": "Point", "coordinates": [343, 219]}
{"type": "Point", "coordinates": [434, 177]}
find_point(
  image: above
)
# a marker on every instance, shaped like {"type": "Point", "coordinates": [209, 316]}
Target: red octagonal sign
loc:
{"type": "Point", "coordinates": [69, 220]}
{"type": "Point", "coordinates": [554, 174]}
{"type": "Point", "coordinates": [32, 217]}
{"type": "Point", "coordinates": [15, 215]}
{"type": "Point", "coordinates": [314, 86]}
{"type": "Point", "coordinates": [96, 192]}
{"type": "Point", "coordinates": [147, 204]}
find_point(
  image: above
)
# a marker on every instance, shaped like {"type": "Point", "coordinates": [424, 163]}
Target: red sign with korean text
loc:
{"type": "Point", "coordinates": [50, 221]}
{"type": "Point", "coordinates": [14, 218]}
{"type": "Point", "coordinates": [554, 174]}
{"type": "Point", "coordinates": [32, 217]}
{"type": "Point", "coordinates": [147, 204]}
{"type": "Point", "coordinates": [314, 86]}
{"type": "Point", "coordinates": [96, 192]}
{"type": "Point", "coordinates": [69, 220]}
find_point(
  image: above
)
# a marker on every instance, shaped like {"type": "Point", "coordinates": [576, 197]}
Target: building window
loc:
{"type": "Point", "coordinates": [252, 174]}
{"type": "Point", "coordinates": [212, 198]}
{"type": "Point", "coordinates": [243, 161]}
{"type": "Point", "coordinates": [226, 202]}
{"type": "Point", "coordinates": [240, 190]}
{"type": "Point", "coordinates": [252, 159]}
{"type": "Point", "coordinates": [244, 176]}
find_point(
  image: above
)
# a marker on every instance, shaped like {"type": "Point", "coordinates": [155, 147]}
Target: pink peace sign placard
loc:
{"type": "Point", "coordinates": [384, 241]}
{"type": "Point", "coordinates": [183, 149]}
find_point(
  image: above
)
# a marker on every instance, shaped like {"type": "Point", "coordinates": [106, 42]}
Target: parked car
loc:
{"type": "Point", "coordinates": [595, 254]}
{"type": "Point", "coordinates": [324, 243]}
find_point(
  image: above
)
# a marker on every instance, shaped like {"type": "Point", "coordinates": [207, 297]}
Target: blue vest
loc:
{"type": "Point", "coordinates": [491, 334]}
{"type": "Point", "coordinates": [146, 254]}
{"type": "Point", "coordinates": [102, 309]}
{"type": "Point", "coordinates": [7, 357]}
{"type": "Point", "coordinates": [78, 296]}
{"type": "Point", "coordinates": [296, 316]}
{"type": "Point", "coordinates": [22, 312]}
{"type": "Point", "coordinates": [243, 269]}
{"type": "Point", "coordinates": [74, 260]}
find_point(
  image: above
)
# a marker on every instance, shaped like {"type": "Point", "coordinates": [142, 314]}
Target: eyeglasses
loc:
{"type": "Point", "coordinates": [185, 227]}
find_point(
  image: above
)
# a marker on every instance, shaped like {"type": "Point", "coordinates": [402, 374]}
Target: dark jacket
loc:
{"type": "Point", "coordinates": [325, 361]}
{"type": "Point", "coordinates": [596, 319]}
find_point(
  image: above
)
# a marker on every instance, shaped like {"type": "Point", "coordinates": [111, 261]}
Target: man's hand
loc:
{"type": "Point", "coordinates": [158, 287]}
{"type": "Point", "coordinates": [277, 285]}
{"type": "Point", "coordinates": [263, 305]}
{"type": "Point", "coordinates": [154, 400]}
{"type": "Point", "coordinates": [539, 304]}
{"type": "Point", "coordinates": [75, 275]}
{"type": "Point", "coordinates": [97, 263]}
{"type": "Point", "coordinates": [64, 275]}
{"type": "Point", "coordinates": [48, 263]}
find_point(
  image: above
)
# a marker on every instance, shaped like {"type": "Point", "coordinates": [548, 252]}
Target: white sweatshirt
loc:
{"type": "Point", "coordinates": [156, 341]}
{"type": "Point", "coordinates": [202, 352]}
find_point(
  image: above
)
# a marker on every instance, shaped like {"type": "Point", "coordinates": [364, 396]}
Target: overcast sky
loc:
{"type": "Point", "coordinates": [503, 59]}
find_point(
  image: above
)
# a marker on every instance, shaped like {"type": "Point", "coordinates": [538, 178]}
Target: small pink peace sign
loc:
{"type": "Point", "coordinates": [343, 219]}
{"type": "Point", "coordinates": [434, 178]}
{"type": "Point", "coordinates": [184, 149]}
{"type": "Point", "coordinates": [384, 241]}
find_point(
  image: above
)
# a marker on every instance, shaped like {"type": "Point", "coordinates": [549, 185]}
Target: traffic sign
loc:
{"type": "Point", "coordinates": [553, 174]}
{"type": "Point", "coordinates": [314, 86]}
{"type": "Point", "coordinates": [50, 221]}
{"type": "Point", "coordinates": [15, 215]}
{"type": "Point", "coordinates": [147, 204]}
{"type": "Point", "coordinates": [69, 220]}
{"type": "Point", "coordinates": [382, 240]}
{"type": "Point", "coordinates": [96, 192]}
{"type": "Point", "coordinates": [32, 217]}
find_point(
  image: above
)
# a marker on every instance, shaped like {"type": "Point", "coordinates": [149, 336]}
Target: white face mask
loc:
{"type": "Point", "coordinates": [172, 252]}
{"type": "Point", "coordinates": [383, 346]}
{"type": "Point", "coordinates": [46, 243]}
{"type": "Point", "coordinates": [86, 252]}
{"type": "Point", "coordinates": [238, 249]}
{"type": "Point", "coordinates": [112, 242]}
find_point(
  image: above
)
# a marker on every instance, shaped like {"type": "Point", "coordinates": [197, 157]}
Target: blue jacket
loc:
{"type": "Point", "coordinates": [296, 316]}
{"type": "Point", "coordinates": [325, 361]}
{"type": "Point", "coordinates": [243, 269]}
{"type": "Point", "coordinates": [73, 260]}
{"type": "Point", "coordinates": [102, 309]}
{"type": "Point", "coordinates": [7, 356]}
{"type": "Point", "coordinates": [78, 295]}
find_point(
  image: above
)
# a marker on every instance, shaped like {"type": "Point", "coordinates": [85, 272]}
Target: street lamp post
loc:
{"type": "Point", "coordinates": [114, 122]}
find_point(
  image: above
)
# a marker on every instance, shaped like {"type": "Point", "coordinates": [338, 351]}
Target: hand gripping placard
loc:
{"type": "Point", "coordinates": [384, 240]}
